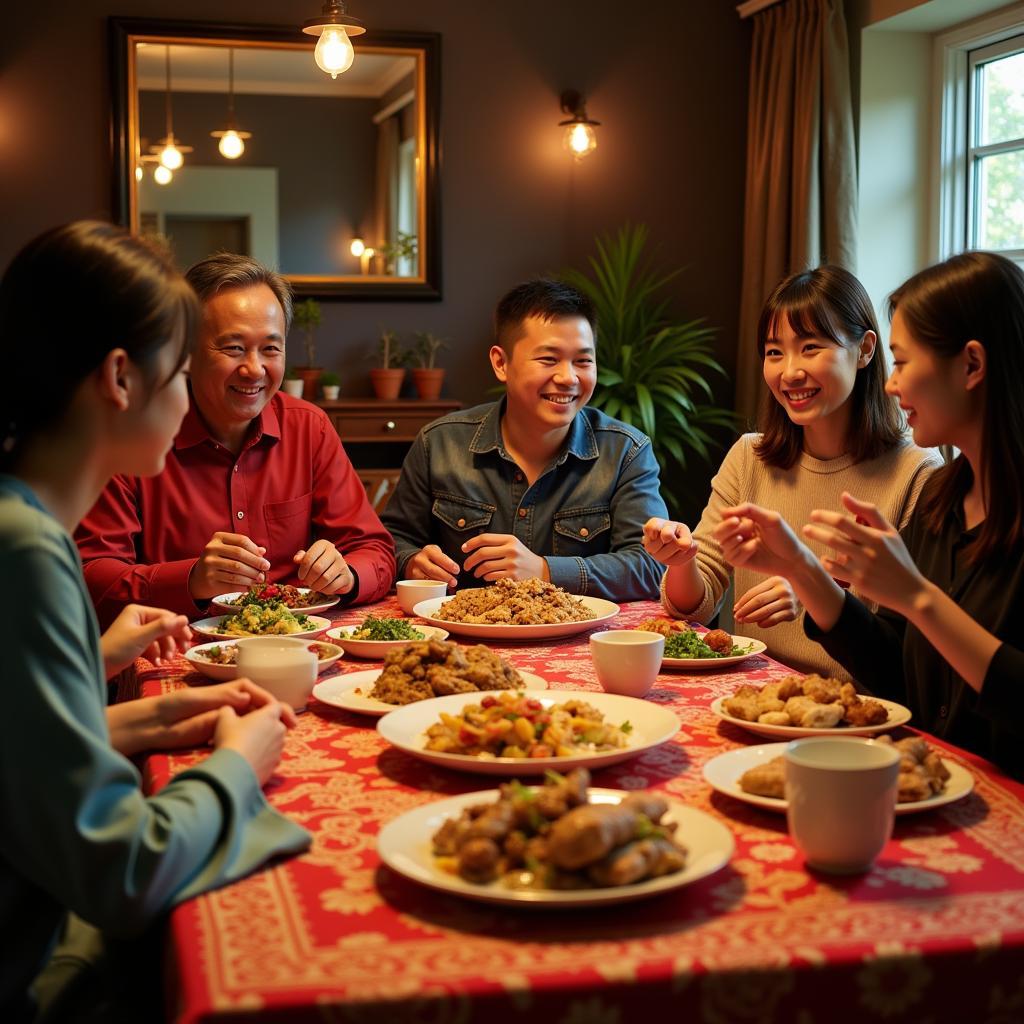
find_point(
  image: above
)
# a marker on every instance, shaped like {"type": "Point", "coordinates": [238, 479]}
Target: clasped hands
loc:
{"type": "Point", "coordinates": [491, 556]}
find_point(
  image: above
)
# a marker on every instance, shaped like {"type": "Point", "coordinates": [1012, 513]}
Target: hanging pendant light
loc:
{"type": "Point", "coordinates": [168, 149]}
{"type": "Point", "coordinates": [334, 53]}
{"type": "Point", "coordinates": [232, 141]}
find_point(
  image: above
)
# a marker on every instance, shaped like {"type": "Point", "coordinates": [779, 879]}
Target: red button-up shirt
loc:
{"type": "Point", "coordinates": [291, 484]}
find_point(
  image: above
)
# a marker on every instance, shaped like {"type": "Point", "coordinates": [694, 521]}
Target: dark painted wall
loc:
{"type": "Point", "coordinates": [668, 79]}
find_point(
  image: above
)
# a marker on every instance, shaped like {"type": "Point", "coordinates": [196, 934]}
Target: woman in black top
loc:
{"type": "Point", "coordinates": [950, 638]}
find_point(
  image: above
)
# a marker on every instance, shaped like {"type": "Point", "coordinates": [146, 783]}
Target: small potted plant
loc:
{"type": "Point", "coordinates": [428, 378]}
{"type": "Point", "coordinates": [307, 318]}
{"type": "Point", "coordinates": [387, 377]}
{"type": "Point", "coordinates": [292, 383]}
{"type": "Point", "coordinates": [330, 384]}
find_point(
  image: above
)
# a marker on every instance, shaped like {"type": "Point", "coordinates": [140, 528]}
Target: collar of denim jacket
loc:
{"type": "Point", "coordinates": [581, 441]}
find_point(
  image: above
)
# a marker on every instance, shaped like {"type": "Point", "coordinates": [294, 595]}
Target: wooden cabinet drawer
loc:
{"type": "Point", "coordinates": [360, 422]}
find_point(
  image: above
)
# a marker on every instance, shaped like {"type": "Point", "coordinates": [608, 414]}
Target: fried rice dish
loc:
{"type": "Point", "coordinates": [515, 603]}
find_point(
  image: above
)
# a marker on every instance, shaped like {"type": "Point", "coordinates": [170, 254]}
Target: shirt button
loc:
{"type": "Point", "coordinates": [522, 513]}
{"type": "Point", "coordinates": [236, 469]}
{"type": "Point", "coordinates": [241, 515]}
{"type": "Point", "coordinates": [461, 522]}
{"type": "Point", "coordinates": [584, 532]}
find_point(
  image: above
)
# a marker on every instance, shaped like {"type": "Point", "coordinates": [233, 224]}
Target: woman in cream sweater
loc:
{"type": "Point", "coordinates": [829, 427]}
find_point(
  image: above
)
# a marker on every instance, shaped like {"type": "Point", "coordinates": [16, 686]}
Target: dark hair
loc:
{"type": "Point", "coordinates": [67, 299]}
{"type": "Point", "coordinates": [225, 270]}
{"type": "Point", "coordinates": [977, 296]}
{"type": "Point", "coordinates": [828, 302]}
{"type": "Point", "coordinates": [542, 297]}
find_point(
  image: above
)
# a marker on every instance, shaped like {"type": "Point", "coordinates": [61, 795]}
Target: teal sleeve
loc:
{"type": "Point", "coordinates": [76, 823]}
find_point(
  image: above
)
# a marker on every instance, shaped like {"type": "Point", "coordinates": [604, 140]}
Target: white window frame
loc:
{"type": "Point", "coordinates": [952, 171]}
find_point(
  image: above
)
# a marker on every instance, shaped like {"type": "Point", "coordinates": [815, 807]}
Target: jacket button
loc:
{"type": "Point", "coordinates": [461, 522]}
{"type": "Point", "coordinates": [584, 532]}
{"type": "Point", "coordinates": [522, 513]}
{"type": "Point", "coordinates": [943, 711]}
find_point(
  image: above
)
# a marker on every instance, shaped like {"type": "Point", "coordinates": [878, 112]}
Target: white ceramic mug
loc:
{"type": "Point", "coordinates": [627, 661]}
{"type": "Point", "coordinates": [285, 666]}
{"type": "Point", "coordinates": [411, 592]}
{"type": "Point", "coordinates": [841, 795]}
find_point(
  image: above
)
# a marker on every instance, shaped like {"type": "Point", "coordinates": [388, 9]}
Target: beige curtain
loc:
{"type": "Point", "coordinates": [801, 194]}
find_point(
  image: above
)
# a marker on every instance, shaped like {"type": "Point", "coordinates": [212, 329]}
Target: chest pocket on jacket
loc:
{"type": "Point", "coordinates": [582, 531]}
{"type": "Point", "coordinates": [463, 515]}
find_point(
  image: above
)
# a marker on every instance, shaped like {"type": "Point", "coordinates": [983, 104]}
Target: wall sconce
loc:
{"type": "Point", "coordinates": [333, 53]}
{"type": "Point", "coordinates": [580, 137]}
{"type": "Point", "coordinates": [364, 252]}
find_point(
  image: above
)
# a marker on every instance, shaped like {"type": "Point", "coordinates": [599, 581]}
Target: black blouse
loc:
{"type": "Point", "coordinates": [890, 657]}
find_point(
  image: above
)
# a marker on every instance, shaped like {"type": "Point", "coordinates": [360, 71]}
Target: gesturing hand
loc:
{"type": "Point", "coordinates": [495, 556]}
{"type": "Point", "coordinates": [759, 539]}
{"type": "Point", "coordinates": [869, 552]}
{"type": "Point", "coordinates": [230, 561]}
{"type": "Point", "coordinates": [431, 563]}
{"type": "Point", "coordinates": [768, 603]}
{"type": "Point", "coordinates": [322, 568]}
{"type": "Point", "coordinates": [141, 631]}
{"type": "Point", "coordinates": [669, 542]}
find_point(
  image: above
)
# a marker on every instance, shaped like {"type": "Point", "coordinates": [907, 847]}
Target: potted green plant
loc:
{"type": "Point", "coordinates": [427, 378]}
{"type": "Point", "coordinates": [652, 371]}
{"type": "Point", "coordinates": [330, 384]}
{"type": "Point", "coordinates": [388, 375]}
{"type": "Point", "coordinates": [307, 317]}
{"type": "Point", "coordinates": [404, 249]}
{"type": "Point", "coordinates": [292, 383]}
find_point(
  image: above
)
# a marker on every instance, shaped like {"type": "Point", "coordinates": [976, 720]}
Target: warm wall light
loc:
{"type": "Point", "coordinates": [232, 144]}
{"type": "Point", "coordinates": [162, 175]}
{"type": "Point", "coordinates": [333, 53]}
{"type": "Point", "coordinates": [580, 137]}
{"type": "Point", "coordinates": [169, 150]}
{"type": "Point", "coordinates": [358, 247]}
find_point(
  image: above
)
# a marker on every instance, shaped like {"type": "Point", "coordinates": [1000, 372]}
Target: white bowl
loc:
{"type": "Point", "coordinates": [627, 661]}
{"type": "Point", "coordinates": [411, 592]}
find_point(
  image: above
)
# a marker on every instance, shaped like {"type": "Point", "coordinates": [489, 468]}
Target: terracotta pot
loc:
{"type": "Point", "coordinates": [387, 383]}
{"type": "Point", "coordinates": [292, 387]}
{"type": "Point", "coordinates": [310, 376]}
{"type": "Point", "coordinates": [428, 383]}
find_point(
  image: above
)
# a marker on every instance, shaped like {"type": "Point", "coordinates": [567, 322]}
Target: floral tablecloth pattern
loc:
{"type": "Point", "coordinates": [934, 932]}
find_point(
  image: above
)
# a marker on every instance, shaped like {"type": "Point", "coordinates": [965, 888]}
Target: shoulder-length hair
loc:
{"type": "Point", "coordinates": [977, 296]}
{"type": "Point", "coordinates": [828, 302]}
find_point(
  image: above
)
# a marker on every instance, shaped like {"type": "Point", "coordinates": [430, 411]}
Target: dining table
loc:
{"type": "Point", "coordinates": [933, 932]}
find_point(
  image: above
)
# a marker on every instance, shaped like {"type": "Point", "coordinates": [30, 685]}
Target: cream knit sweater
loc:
{"type": "Point", "coordinates": [892, 482]}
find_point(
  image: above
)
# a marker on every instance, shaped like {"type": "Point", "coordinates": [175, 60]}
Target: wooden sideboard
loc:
{"type": "Point", "coordinates": [377, 435]}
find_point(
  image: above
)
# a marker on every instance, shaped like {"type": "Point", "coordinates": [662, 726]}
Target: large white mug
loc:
{"type": "Point", "coordinates": [285, 666]}
{"type": "Point", "coordinates": [841, 796]}
{"type": "Point", "coordinates": [627, 661]}
{"type": "Point", "coordinates": [411, 592]}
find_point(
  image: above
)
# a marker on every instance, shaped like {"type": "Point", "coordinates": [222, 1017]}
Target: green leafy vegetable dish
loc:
{"type": "Point", "coordinates": [373, 628]}
{"type": "Point", "coordinates": [689, 644]}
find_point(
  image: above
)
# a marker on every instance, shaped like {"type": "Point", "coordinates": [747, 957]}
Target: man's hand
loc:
{"type": "Point", "coordinates": [230, 561]}
{"type": "Point", "coordinates": [496, 556]}
{"type": "Point", "coordinates": [322, 568]}
{"type": "Point", "coordinates": [140, 631]}
{"type": "Point", "coordinates": [431, 563]}
{"type": "Point", "coordinates": [669, 542]}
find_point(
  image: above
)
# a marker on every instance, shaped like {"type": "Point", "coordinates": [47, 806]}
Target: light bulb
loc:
{"type": "Point", "coordinates": [580, 139]}
{"type": "Point", "coordinates": [162, 175]}
{"type": "Point", "coordinates": [334, 53]}
{"type": "Point", "coordinates": [170, 157]}
{"type": "Point", "coordinates": [231, 145]}
{"type": "Point", "coordinates": [358, 247]}
{"type": "Point", "coordinates": [138, 172]}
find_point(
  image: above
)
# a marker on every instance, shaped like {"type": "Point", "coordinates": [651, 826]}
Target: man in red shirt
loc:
{"type": "Point", "coordinates": [257, 486]}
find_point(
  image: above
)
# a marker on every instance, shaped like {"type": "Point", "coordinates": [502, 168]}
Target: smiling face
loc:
{"type": "Point", "coordinates": [812, 377]}
{"type": "Point", "coordinates": [239, 362]}
{"type": "Point", "coordinates": [550, 373]}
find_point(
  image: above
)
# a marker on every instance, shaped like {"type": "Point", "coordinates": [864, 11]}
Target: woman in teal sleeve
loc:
{"type": "Point", "coordinates": [108, 322]}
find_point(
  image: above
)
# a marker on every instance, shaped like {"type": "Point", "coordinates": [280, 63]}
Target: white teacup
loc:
{"type": "Point", "coordinates": [285, 666]}
{"type": "Point", "coordinates": [627, 661]}
{"type": "Point", "coordinates": [841, 796]}
{"type": "Point", "coordinates": [411, 592]}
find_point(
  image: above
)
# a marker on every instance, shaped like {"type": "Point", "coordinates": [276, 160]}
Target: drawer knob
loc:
{"type": "Point", "coordinates": [390, 425]}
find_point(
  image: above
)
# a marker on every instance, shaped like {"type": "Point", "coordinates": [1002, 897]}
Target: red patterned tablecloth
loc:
{"type": "Point", "coordinates": [934, 932]}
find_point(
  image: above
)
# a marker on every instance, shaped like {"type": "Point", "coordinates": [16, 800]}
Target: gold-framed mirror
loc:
{"type": "Point", "coordinates": [333, 182]}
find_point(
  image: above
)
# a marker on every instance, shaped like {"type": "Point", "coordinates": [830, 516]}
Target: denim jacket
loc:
{"type": "Point", "coordinates": [584, 514]}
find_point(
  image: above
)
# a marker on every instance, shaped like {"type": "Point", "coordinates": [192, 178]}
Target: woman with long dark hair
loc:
{"type": "Point", "coordinates": [110, 322]}
{"type": "Point", "coordinates": [950, 642]}
{"type": "Point", "coordinates": [828, 427]}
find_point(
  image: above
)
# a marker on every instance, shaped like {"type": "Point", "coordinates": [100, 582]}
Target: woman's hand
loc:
{"type": "Point", "coordinates": [140, 631]}
{"type": "Point", "coordinates": [669, 542]}
{"type": "Point", "coordinates": [760, 539]}
{"type": "Point", "coordinates": [768, 603]}
{"type": "Point", "coordinates": [869, 552]}
{"type": "Point", "coordinates": [258, 736]}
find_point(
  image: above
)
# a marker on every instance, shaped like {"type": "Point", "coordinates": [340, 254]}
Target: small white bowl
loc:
{"type": "Point", "coordinates": [411, 592]}
{"type": "Point", "coordinates": [627, 661]}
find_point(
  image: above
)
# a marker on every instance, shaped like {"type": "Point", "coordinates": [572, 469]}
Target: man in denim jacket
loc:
{"type": "Point", "coordinates": [536, 485]}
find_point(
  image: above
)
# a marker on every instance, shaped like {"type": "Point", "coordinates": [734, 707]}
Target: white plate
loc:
{"type": "Point", "coordinates": [225, 673]}
{"type": "Point", "coordinates": [756, 647]}
{"type": "Point", "coordinates": [723, 773]}
{"type": "Point", "coordinates": [404, 844]}
{"type": "Point", "coordinates": [652, 725]}
{"type": "Point", "coordinates": [603, 611]}
{"type": "Point", "coordinates": [378, 648]}
{"type": "Point", "coordinates": [224, 601]}
{"type": "Point", "coordinates": [209, 628]}
{"type": "Point", "coordinates": [339, 692]}
{"type": "Point", "coordinates": [898, 715]}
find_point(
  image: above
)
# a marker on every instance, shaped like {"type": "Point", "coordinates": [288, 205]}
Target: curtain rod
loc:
{"type": "Point", "coordinates": [745, 10]}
